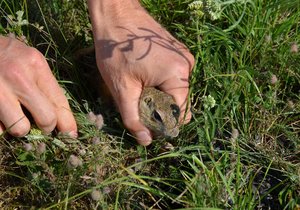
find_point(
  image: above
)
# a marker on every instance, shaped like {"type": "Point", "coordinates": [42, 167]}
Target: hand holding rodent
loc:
{"type": "Point", "coordinates": [133, 51]}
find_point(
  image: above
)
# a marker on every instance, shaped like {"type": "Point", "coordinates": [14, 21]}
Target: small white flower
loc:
{"type": "Point", "coordinates": [96, 195]}
{"type": "Point", "coordinates": [168, 146]}
{"type": "Point", "coordinates": [28, 147]}
{"type": "Point", "coordinates": [35, 175]}
{"type": "Point", "coordinates": [234, 134]}
{"type": "Point", "coordinates": [99, 122]}
{"type": "Point", "coordinates": [291, 104]}
{"type": "Point", "coordinates": [268, 38]}
{"type": "Point", "coordinates": [82, 152]}
{"type": "Point", "coordinates": [91, 117]}
{"type": "Point", "coordinates": [74, 161]}
{"type": "Point", "coordinates": [195, 5]}
{"type": "Point", "coordinates": [106, 190]}
{"type": "Point", "coordinates": [294, 48]}
{"type": "Point", "coordinates": [209, 8]}
{"type": "Point", "coordinates": [273, 79]}
{"type": "Point", "coordinates": [96, 140]}
{"type": "Point", "coordinates": [209, 102]}
{"type": "Point", "coordinates": [20, 21]}
{"type": "Point", "coordinates": [41, 148]}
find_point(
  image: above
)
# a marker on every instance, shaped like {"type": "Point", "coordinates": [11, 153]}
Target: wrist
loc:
{"type": "Point", "coordinates": [106, 13]}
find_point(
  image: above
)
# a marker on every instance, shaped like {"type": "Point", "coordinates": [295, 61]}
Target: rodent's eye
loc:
{"type": "Point", "coordinates": [175, 110]}
{"type": "Point", "coordinates": [157, 116]}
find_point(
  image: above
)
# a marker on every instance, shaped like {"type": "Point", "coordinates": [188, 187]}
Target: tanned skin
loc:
{"type": "Point", "coordinates": [132, 51]}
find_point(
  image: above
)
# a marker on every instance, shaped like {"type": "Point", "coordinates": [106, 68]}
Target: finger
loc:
{"type": "Point", "coordinates": [39, 106]}
{"type": "Point", "coordinates": [189, 59]}
{"type": "Point", "coordinates": [48, 85]}
{"type": "Point", "coordinates": [183, 52]}
{"type": "Point", "coordinates": [179, 89]}
{"type": "Point", "coordinates": [12, 116]}
{"type": "Point", "coordinates": [128, 103]}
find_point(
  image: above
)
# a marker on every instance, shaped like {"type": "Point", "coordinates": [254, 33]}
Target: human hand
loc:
{"type": "Point", "coordinates": [133, 51]}
{"type": "Point", "coordinates": [26, 80]}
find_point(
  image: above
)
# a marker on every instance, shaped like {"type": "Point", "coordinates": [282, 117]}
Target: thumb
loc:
{"type": "Point", "coordinates": [128, 104]}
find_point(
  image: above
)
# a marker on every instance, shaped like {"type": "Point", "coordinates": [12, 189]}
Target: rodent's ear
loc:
{"type": "Point", "coordinates": [149, 101]}
{"type": "Point", "coordinates": [175, 110]}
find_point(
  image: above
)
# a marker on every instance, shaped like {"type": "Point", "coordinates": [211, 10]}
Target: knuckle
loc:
{"type": "Point", "coordinates": [17, 81]}
{"type": "Point", "coordinates": [12, 73]}
{"type": "Point", "coordinates": [182, 69]}
{"type": "Point", "coordinates": [132, 125]}
{"type": "Point", "coordinates": [48, 122]}
{"type": "Point", "coordinates": [15, 74]}
{"type": "Point", "coordinates": [185, 62]}
{"type": "Point", "coordinates": [20, 129]}
{"type": "Point", "coordinates": [128, 124]}
{"type": "Point", "coordinates": [17, 70]}
{"type": "Point", "coordinates": [36, 58]}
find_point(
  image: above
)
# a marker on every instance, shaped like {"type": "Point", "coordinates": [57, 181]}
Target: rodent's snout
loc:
{"type": "Point", "coordinates": [172, 133]}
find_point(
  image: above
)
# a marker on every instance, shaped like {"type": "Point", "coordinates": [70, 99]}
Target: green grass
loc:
{"type": "Point", "coordinates": [240, 151]}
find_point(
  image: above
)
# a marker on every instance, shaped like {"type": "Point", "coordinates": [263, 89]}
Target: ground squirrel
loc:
{"type": "Point", "coordinates": [159, 112]}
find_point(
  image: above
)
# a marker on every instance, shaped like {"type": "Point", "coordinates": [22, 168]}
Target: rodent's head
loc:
{"type": "Point", "coordinates": [159, 112]}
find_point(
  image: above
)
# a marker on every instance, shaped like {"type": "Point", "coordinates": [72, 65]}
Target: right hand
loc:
{"type": "Point", "coordinates": [133, 51]}
{"type": "Point", "coordinates": [26, 80]}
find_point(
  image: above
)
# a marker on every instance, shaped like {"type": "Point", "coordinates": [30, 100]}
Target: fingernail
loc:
{"type": "Point", "coordinates": [143, 138]}
{"type": "Point", "coordinates": [73, 134]}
